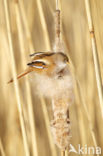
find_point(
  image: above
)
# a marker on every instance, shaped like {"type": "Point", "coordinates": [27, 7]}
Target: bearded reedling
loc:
{"type": "Point", "coordinates": [54, 80]}
{"type": "Point", "coordinates": [46, 63]}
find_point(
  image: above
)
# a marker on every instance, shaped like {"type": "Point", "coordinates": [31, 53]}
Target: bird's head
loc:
{"type": "Point", "coordinates": [48, 62]}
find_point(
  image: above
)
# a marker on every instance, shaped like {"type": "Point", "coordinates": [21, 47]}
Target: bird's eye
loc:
{"type": "Point", "coordinates": [66, 59]}
{"type": "Point", "coordinates": [37, 64]}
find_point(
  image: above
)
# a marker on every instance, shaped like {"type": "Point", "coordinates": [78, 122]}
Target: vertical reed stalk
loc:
{"type": "Point", "coordinates": [57, 5]}
{"type": "Point", "coordinates": [58, 42]}
{"type": "Point", "coordinates": [95, 54]}
{"type": "Point", "coordinates": [19, 106]}
{"type": "Point", "coordinates": [62, 153]}
{"type": "Point", "coordinates": [57, 31]}
{"type": "Point", "coordinates": [66, 152]}
{"type": "Point", "coordinates": [30, 45]}
{"type": "Point", "coordinates": [26, 26]}
{"type": "Point", "coordinates": [44, 25]}
{"type": "Point", "coordinates": [2, 149]}
{"type": "Point", "coordinates": [86, 111]}
{"type": "Point", "coordinates": [83, 102]}
{"type": "Point", "coordinates": [28, 91]}
{"type": "Point", "coordinates": [79, 88]}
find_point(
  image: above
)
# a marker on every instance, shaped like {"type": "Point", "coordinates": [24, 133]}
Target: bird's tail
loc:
{"type": "Point", "coordinates": [21, 75]}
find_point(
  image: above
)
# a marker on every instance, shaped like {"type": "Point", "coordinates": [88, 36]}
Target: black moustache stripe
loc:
{"type": "Point", "coordinates": [36, 63]}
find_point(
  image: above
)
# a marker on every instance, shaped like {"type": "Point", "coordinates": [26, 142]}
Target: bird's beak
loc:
{"type": "Point", "coordinates": [22, 74]}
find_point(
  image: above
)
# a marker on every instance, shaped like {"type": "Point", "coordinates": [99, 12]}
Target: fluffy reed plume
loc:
{"type": "Point", "coordinates": [60, 125]}
{"type": "Point", "coordinates": [62, 96]}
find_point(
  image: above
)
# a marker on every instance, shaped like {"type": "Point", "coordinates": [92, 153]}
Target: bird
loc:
{"type": "Point", "coordinates": [51, 64]}
{"type": "Point", "coordinates": [53, 80]}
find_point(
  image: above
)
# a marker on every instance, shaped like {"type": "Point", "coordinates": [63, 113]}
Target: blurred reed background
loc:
{"type": "Point", "coordinates": [32, 29]}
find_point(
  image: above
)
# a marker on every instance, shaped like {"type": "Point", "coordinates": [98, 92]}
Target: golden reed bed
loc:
{"type": "Point", "coordinates": [26, 27]}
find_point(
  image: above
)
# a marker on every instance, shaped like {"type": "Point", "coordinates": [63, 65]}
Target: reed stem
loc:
{"type": "Point", "coordinates": [57, 29]}
{"type": "Point", "coordinates": [2, 149]}
{"type": "Point", "coordinates": [62, 153]}
{"type": "Point", "coordinates": [26, 26]}
{"type": "Point", "coordinates": [95, 54]}
{"type": "Point", "coordinates": [66, 152]}
{"type": "Point", "coordinates": [13, 65]}
{"type": "Point", "coordinates": [57, 5]}
{"type": "Point", "coordinates": [27, 91]}
{"type": "Point", "coordinates": [86, 111]}
{"type": "Point", "coordinates": [79, 88]}
{"type": "Point", "coordinates": [44, 25]}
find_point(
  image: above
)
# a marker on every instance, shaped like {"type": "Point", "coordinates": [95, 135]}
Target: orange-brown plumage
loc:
{"type": "Point", "coordinates": [44, 63]}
